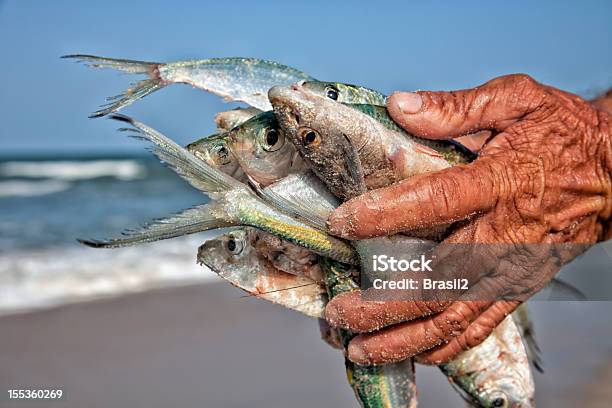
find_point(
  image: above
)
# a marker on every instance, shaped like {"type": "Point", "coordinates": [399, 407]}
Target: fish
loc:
{"type": "Point", "coordinates": [214, 151]}
{"type": "Point", "coordinates": [284, 255]}
{"type": "Point", "coordinates": [325, 131]}
{"type": "Point", "coordinates": [345, 93]}
{"type": "Point", "coordinates": [496, 373]}
{"type": "Point", "coordinates": [233, 204]}
{"type": "Point", "coordinates": [262, 150]}
{"type": "Point", "coordinates": [373, 103]}
{"type": "Point", "coordinates": [234, 257]}
{"type": "Point", "coordinates": [236, 79]}
{"type": "Point", "coordinates": [228, 120]}
{"type": "Point", "coordinates": [390, 385]}
{"type": "Point", "coordinates": [259, 144]}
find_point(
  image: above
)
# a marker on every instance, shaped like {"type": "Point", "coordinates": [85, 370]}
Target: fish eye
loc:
{"type": "Point", "coordinates": [223, 155]}
{"type": "Point", "coordinates": [234, 246]}
{"type": "Point", "coordinates": [274, 140]}
{"type": "Point", "coordinates": [499, 402]}
{"type": "Point", "coordinates": [331, 92]}
{"type": "Point", "coordinates": [309, 137]}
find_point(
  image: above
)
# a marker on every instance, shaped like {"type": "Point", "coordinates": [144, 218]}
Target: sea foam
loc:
{"type": "Point", "coordinates": [71, 170]}
{"type": "Point", "coordinates": [34, 279]}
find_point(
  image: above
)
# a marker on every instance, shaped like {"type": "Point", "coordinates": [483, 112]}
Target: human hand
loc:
{"type": "Point", "coordinates": [543, 178]}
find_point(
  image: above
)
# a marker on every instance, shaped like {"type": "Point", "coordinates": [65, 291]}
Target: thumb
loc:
{"type": "Point", "coordinates": [492, 106]}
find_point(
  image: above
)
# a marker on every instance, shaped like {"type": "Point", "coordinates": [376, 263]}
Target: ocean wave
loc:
{"type": "Point", "coordinates": [12, 188]}
{"type": "Point", "coordinates": [36, 279]}
{"type": "Point", "coordinates": [74, 170]}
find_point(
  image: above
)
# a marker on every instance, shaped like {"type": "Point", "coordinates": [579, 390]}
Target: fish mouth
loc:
{"type": "Point", "coordinates": [288, 102]}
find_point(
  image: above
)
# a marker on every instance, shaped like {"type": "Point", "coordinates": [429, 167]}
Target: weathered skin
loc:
{"type": "Point", "coordinates": [545, 177]}
{"type": "Point", "coordinates": [236, 79]}
{"type": "Point", "coordinates": [497, 373]}
{"type": "Point", "coordinates": [214, 151]}
{"type": "Point", "coordinates": [386, 156]}
{"type": "Point", "coordinates": [262, 150]}
{"type": "Point", "coordinates": [228, 120]}
{"type": "Point", "coordinates": [234, 258]}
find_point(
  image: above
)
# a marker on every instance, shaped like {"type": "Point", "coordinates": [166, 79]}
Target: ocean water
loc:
{"type": "Point", "coordinates": [48, 202]}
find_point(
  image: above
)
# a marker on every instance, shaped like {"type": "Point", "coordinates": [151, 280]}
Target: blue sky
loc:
{"type": "Point", "coordinates": [388, 46]}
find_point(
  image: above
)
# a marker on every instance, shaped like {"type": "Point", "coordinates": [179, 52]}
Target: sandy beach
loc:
{"type": "Point", "coordinates": [208, 346]}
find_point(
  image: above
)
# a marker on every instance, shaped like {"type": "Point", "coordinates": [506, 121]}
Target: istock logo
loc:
{"type": "Point", "coordinates": [384, 263]}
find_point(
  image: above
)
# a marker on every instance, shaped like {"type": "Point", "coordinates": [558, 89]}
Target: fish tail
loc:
{"type": "Point", "coordinates": [195, 171]}
{"type": "Point", "coordinates": [193, 220]}
{"type": "Point", "coordinates": [136, 90]}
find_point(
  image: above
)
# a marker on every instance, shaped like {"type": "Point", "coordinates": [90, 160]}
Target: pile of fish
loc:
{"type": "Point", "coordinates": [274, 172]}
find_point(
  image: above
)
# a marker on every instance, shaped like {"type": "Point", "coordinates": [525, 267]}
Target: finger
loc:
{"type": "Point", "coordinates": [349, 311]}
{"type": "Point", "coordinates": [441, 115]}
{"type": "Point", "coordinates": [423, 201]}
{"type": "Point", "coordinates": [476, 333]}
{"type": "Point", "coordinates": [405, 340]}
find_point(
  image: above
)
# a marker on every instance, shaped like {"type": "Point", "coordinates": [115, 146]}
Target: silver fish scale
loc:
{"type": "Point", "coordinates": [241, 79]}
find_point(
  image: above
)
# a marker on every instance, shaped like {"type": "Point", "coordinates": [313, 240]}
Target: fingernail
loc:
{"type": "Point", "coordinates": [408, 102]}
{"type": "Point", "coordinates": [357, 354]}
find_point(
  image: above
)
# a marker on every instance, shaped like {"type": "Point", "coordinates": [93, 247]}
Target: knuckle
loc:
{"type": "Point", "coordinates": [523, 81]}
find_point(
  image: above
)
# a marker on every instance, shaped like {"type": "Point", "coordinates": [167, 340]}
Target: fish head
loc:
{"type": "Point", "coordinates": [504, 395]}
{"type": "Point", "coordinates": [214, 151]}
{"type": "Point", "coordinates": [345, 93]}
{"type": "Point", "coordinates": [316, 126]}
{"type": "Point", "coordinates": [231, 256]}
{"type": "Point", "coordinates": [497, 373]}
{"type": "Point", "coordinates": [260, 146]}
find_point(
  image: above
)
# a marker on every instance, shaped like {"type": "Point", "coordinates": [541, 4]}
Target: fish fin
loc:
{"type": "Point", "coordinates": [312, 203]}
{"type": "Point", "coordinates": [354, 167]}
{"type": "Point", "coordinates": [190, 221]}
{"type": "Point", "coordinates": [136, 90]}
{"type": "Point", "coordinates": [198, 173]}
{"type": "Point", "coordinates": [522, 318]}
{"type": "Point", "coordinates": [293, 208]}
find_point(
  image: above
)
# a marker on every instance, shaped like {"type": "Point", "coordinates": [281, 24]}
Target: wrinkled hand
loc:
{"type": "Point", "coordinates": [544, 176]}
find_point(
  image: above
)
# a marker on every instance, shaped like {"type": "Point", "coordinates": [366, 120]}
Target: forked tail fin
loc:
{"type": "Point", "coordinates": [197, 219]}
{"type": "Point", "coordinates": [136, 90]}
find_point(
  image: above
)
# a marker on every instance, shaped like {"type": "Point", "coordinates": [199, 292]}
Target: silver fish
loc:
{"type": "Point", "coordinates": [236, 79]}
{"type": "Point", "coordinates": [214, 151]}
{"type": "Point", "coordinates": [234, 258]}
{"type": "Point", "coordinates": [345, 93]}
{"type": "Point", "coordinates": [496, 373]}
{"type": "Point", "coordinates": [262, 150]}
